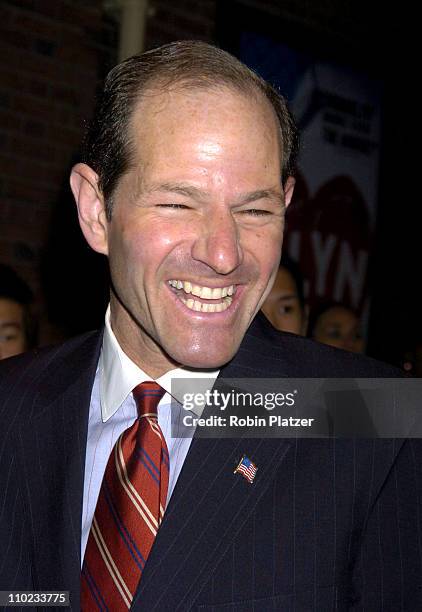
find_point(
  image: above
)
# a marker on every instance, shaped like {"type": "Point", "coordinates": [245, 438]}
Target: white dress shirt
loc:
{"type": "Point", "coordinates": [112, 410]}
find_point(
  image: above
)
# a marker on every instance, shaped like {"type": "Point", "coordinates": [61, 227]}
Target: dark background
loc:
{"type": "Point", "coordinates": [56, 52]}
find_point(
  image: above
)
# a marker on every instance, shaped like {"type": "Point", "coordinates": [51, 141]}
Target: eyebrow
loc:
{"type": "Point", "coordinates": [288, 297]}
{"type": "Point", "coordinates": [10, 324]}
{"type": "Point", "coordinates": [191, 191]}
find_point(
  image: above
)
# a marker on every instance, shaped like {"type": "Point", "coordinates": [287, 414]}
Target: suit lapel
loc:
{"type": "Point", "coordinates": [210, 504]}
{"type": "Point", "coordinates": [52, 454]}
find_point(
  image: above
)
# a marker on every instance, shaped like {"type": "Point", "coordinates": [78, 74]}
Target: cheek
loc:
{"type": "Point", "coordinates": [145, 256]}
{"type": "Point", "coordinates": [126, 258]}
{"type": "Point", "coordinates": [266, 247]}
{"type": "Point", "coordinates": [267, 256]}
{"type": "Point", "coordinates": [20, 343]}
{"type": "Point", "coordinates": [132, 247]}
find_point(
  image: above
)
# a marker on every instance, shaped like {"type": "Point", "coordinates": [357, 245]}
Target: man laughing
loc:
{"type": "Point", "coordinates": [187, 173]}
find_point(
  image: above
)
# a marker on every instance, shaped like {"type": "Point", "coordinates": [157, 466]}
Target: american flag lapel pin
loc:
{"type": "Point", "coordinates": [247, 469]}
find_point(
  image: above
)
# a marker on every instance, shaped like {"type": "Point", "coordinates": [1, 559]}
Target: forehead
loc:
{"type": "Point", "coordinates": [209, 117]}
{"type": "Point", "coordinates": [10, 311]}
{"type": "Point", "coordinates": [339, 316]}
{"type": "Point", "coordinates": [285, 282]}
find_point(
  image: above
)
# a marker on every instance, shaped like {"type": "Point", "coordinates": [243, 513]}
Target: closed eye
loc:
{"type": "Point", "coordinates": [172, 205]}
{"type": "Point", "coordinates": [256, 212]}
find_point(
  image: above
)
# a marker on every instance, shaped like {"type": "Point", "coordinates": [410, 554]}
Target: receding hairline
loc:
{"type": "Point", "coordinates": [188, 65]}
{"type": "Point", "coordinates": [159, 84]}
{"type": "Point", "coordinates": [159, 87]}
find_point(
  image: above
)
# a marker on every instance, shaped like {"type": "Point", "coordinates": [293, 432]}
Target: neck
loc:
{"type": "Point", "coordinates": [138, 345]}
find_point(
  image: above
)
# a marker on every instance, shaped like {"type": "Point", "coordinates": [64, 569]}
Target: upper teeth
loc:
{"type": "Point", "coordinates": [207, 293]}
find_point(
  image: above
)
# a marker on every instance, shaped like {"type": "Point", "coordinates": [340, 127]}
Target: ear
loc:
{"type": "Point", "coordinates": [90, 204]}
{"type": "Point", "coordinates": [289, 186]}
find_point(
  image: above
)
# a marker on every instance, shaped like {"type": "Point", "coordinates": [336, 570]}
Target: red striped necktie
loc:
{"type": "Point", "coordinates": [129, 509]}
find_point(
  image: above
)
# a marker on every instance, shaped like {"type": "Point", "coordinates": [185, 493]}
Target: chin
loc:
{"type": "Point", "coordinates": [205, 359]}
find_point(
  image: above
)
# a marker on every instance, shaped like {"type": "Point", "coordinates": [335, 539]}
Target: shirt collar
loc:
{"type": "Point", "coordinates": [119, 375]}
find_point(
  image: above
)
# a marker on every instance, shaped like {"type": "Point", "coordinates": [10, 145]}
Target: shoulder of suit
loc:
{"type": "Point", "coordinates": [54, 365]}
{"type": "Point", "coordinates": [274, 353]}
{"type": "Point", "coordinates": [44, 357]}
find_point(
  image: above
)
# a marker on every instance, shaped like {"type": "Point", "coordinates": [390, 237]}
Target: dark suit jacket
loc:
{"type": "Point", "coordinates": [326, 525]}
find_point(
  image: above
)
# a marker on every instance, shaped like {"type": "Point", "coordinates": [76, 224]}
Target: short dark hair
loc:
{"type": "Point", "coordinates": [190, 64]}
{"type": "Point", "coordinates": [13, 288]}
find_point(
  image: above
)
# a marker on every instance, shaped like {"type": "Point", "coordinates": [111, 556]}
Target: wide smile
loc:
{"type": "Point", "coordinates": [200, 298]}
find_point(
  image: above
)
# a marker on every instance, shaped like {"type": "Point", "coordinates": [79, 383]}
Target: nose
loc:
{"type": "Point", "coordinates": [218, 243]}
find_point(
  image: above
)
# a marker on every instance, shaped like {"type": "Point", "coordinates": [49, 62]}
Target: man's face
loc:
{"type": "Point", "coordinates": [12, 334]}
{"type": "Point", "coordinates": [195, 238]}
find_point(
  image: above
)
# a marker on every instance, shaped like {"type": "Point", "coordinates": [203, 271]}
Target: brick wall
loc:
{"type": "Point", "coordinates": [53, 54]}
{"type": "Point", "coordinates": [180, 19]}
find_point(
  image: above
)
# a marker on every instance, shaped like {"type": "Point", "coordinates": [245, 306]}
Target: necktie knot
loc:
{"type": "Point", "coordinates": [147, 396]}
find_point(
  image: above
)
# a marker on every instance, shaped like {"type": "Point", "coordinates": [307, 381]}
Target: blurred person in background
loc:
{"type": "Point", "coordinates": [285, 305]}
{"type": "Point", "coordinates": [337, 325]}
{"type": "Point", "coordinates": [411, 361]}
{"type": "Point", "coordinates": [17, 332]}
